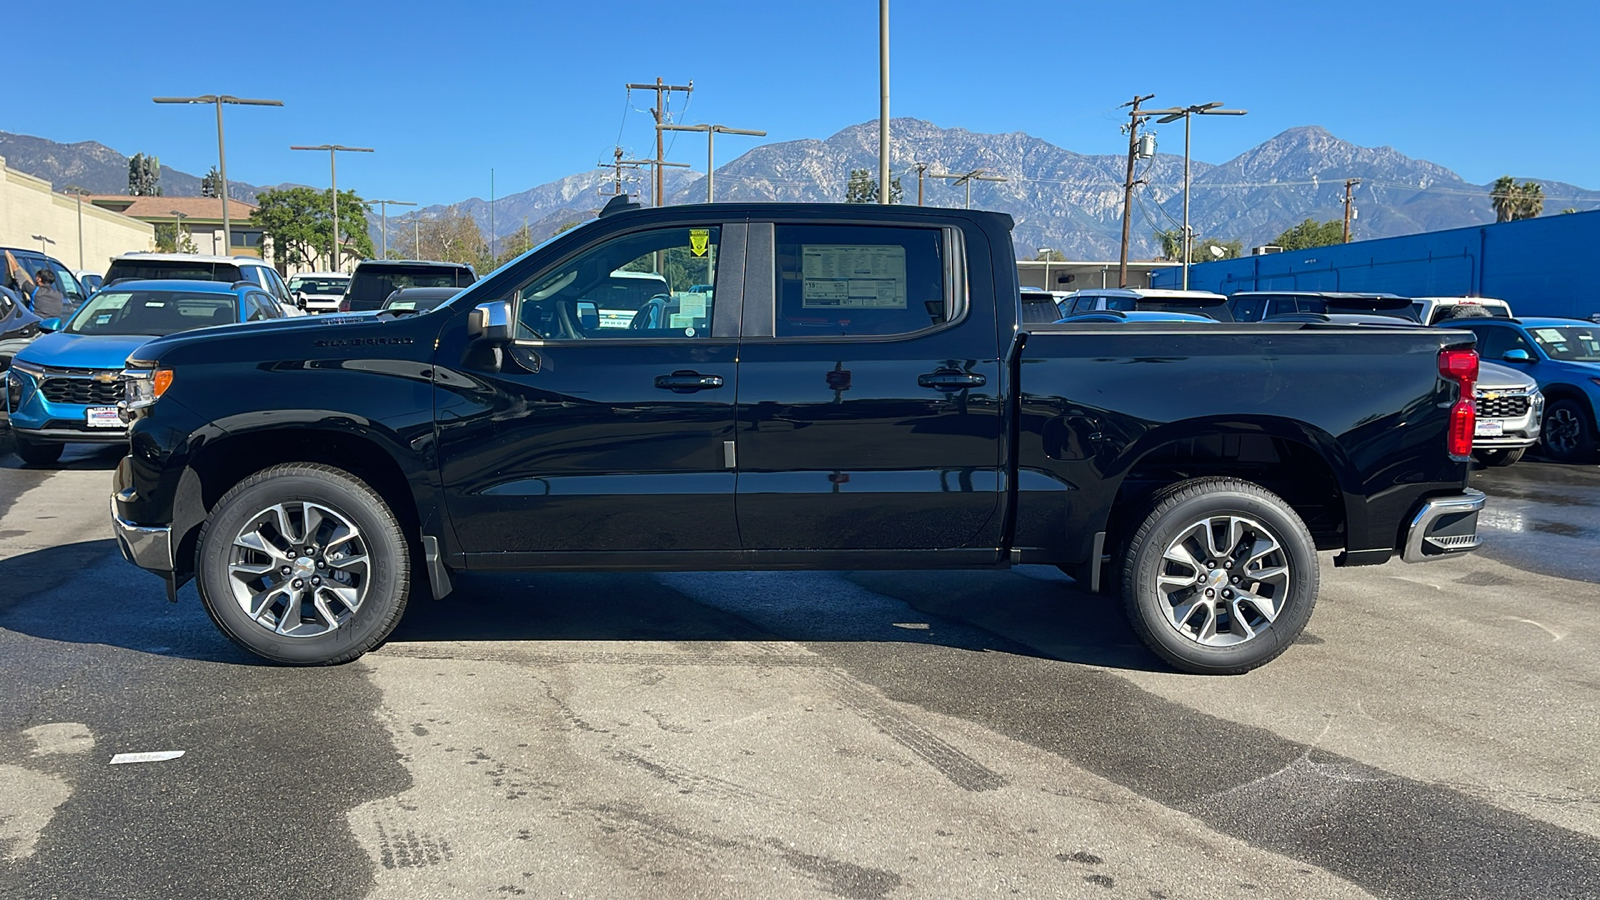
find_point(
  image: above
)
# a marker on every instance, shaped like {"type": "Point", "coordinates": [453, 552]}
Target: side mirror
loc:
{"type": "Point", "coordinates": [588, 315]}
{"type": "Point", "coordinates": [50, 325]}
{"type": "Point", "coordinates": [1517, 356]}
{"type": "Point", "coordinates": [300, 299]}
{"type": "Point", "coordinates": [490, 323]}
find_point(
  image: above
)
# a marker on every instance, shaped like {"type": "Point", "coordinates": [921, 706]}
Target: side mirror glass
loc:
{"type": "Point", "coordinates": [490, 323]}
{"type": "Point", "coordinates": [1517, 356]}
{"type": "Point", "coordinates": [588, 315]}
{"type": "Point", "coordinates": [53, 324]}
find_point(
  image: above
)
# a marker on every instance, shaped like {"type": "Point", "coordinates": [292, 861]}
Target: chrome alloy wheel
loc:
{"type": "Point", "coordinates": [1223, 579]}
{"type": "Point", "coordinates": [299, 569]}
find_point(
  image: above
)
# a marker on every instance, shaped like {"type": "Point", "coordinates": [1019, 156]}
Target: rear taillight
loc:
{"type": "Point", "coordinates": [1461, 366]}
{"type": "Point", "coordinates": [344, 305]}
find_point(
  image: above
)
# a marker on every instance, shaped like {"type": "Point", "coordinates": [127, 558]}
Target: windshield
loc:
{"type": "Point", "coordinates": [152, 312]}
{"type": "Point", "coordinates": [186, 270]}
{"type": "Point", "coordinates": [1568, 343]}
{"type": "Point", "coordinates": [376, 283]}
{"type": "Point", "coordinates": [319, 285]}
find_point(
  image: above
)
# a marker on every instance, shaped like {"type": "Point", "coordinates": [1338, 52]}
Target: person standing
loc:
{"type": "Point", "coordinates": [43, 296]}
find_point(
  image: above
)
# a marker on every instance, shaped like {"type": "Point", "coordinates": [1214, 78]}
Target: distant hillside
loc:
{"type": "Point", "coordinates": [96, 167]}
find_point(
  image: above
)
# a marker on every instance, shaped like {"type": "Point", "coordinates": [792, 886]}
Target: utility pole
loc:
{"type": "Point", "coordinates": [383, 206]}
{"type": "Point", "coordinates": [333, 179]}
{"type": "Point", "coordinates": [883, 102]}
{"type": "Point", "coordinates": [662, 90]}
{"type": "Point", "coordinates": [968, 178]}
{"type": "Point", "coordinates": [711, 132]}
{"type": "Point", "coordinates": [1349, 186]}
{"type": "Point", "coordinates": [491, 217]}
{"type": "Point", "coordinates": [1127, 186]}
{"type": "Point", "coordinates": [922, 169]}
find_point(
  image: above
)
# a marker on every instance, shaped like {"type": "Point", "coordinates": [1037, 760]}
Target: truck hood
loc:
{"type": "Point", "coordinates": [277, 329]}
{"type": "Point", "coordinates": [1493, 376]}
{"type": "Point", "coordinates": [82, 351]}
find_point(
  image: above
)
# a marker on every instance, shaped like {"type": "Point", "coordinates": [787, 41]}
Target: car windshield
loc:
{"type": "Point", "coordinates": [152, 312]}
{"type": "Point", "coordinates": [376, 283]}
{"type": "Point", "coordinates": [187, 270]}
{"type": "Point", "coordinates": [319, 285]}
{"type": "Point", "coordinates": [1568, 343]}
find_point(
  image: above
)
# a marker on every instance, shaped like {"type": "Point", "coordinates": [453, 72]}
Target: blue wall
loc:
{"type": "Point", "coordinates": [1542, 267]}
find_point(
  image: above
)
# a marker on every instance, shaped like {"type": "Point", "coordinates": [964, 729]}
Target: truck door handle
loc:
{"type": "Point", "coordinates": [686, 382]}
{"type": "Point", "coordinates": [951, 380]}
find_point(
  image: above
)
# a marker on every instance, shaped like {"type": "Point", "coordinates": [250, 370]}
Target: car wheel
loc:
{"type": "Point", "coordinates": [1567, 433]}
{"type": "Point", "coordinates": [304, 565]}
{"type": "Point", "coordinates": [1502, 457]}
{"type": "Point", "coordinates": [1220, 577]}
{"type": "Point", "coordinates": [35, 453]}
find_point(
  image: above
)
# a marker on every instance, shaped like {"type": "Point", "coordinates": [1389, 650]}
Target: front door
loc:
{"type": "Point", "coordinates": [869, 413]}
{"type": "Point", "coordinates": [607, 425]}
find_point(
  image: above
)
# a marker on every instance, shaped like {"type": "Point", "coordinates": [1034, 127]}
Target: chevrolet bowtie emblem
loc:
{"type": "Point", "coordinates": [1491, 395]}
{"type": "Point", "coordinates": [108, 377]}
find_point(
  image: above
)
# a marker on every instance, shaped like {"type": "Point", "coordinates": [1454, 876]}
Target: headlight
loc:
{"type": "Point", "coordinates": [145, 386]}
{"type": "Point", "coordinates": [19, 379]}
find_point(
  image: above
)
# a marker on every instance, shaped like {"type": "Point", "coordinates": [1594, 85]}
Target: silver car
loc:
{"type": "Point", "coordinates": [1510, 408]}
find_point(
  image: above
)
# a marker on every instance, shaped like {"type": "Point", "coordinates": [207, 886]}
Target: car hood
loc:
{"type": "Point", "coordinates": [281, 329]}
{"type": "Point", "coordinates": [82, 351]}
{"type": "Point", "coordinates": [1497, 377]}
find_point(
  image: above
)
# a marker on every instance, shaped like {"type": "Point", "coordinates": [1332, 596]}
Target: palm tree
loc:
{"type": "Point", "coordinates": [1504, 196]}
{"type": "Point", "coordinates": [1531, 203]}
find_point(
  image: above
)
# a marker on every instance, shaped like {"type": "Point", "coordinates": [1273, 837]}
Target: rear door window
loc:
{"type": "Point", "coordinates": [859, 280]}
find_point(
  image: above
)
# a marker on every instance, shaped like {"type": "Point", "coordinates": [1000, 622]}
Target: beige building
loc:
{"type": "Point", "coordinates": [1077, 275]}
{"type": "Point", "coordinates": [198, 217]}
{"type": "Point", "coordinates": [29, 207]}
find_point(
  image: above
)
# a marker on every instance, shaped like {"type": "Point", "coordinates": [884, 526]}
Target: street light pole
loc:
{"type": "Point", "coordinates": [968, 178]}
{"type": "Point", "coordinates": [711, 132]}
{"type": "Point", "coordinates": [1187, 113]}
{"type": "Point", "coordinates": [333, 178]}
{"type": "Point", "coordinates": [883, 102]}
{"type": "Point", "coordinates": [384, 206]}
{"type": "Point", "coordinates": [42, 241]}
{"type": "Point", "coordinates": [222, 154]}
{"type": "Point", "coordinates": [78, 192]}
{"type": "Point", "coordinates": [1045, 252]}
{"type": "Point", "coordinates": [177, 239]}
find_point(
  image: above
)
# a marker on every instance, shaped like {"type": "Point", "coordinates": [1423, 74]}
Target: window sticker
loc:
{"type": "Point", "coordinates": [1553, 335]}
{"type": "Point", "coordinates": [699, 240]}
{"type": "Point", "coordinates": [678, 320]}
{"type": "Point", "coordinates": [692, 305]}
{"type": "Point", "coordinates": [847, 276]}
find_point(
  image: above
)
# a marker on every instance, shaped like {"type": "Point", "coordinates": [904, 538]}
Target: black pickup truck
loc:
{"type": "Point", "coordinates": [808, 387]}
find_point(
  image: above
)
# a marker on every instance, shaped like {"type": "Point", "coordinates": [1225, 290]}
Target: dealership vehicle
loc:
{"type": "Point", "coordinates": [1257, 306]}
{"type": "Point", "coordinates": [201, 267]}
{"type": "Point", "coordinates": [1205, 303]}
{"type": "Point", "coordinates": [375, 279]}
{"type": "Point", "coordinates": [319, 292]}
{"type": "Point", "coordinates": [417, 300]}
{"type": "Point", "coordinates": [1039, 306]}
{"type": "Point", "coordinates": [1563, 356]}
{"type": "Point", "coordinates": [1117, 315]}
{"type": "Point", "coordinates": [64, 388]}
{"type": "Point", "coordinates": [1433, 310]}
{"type": "Point", "coordinates": [858, 392]}
{"type": "Point", "coordinates": [72, 293]}
{"type": "Point", "coordinates": [1510, 409]}
{"type": "Point", "coordinates": [18, 326]}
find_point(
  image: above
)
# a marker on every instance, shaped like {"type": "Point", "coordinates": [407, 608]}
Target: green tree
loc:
{"type": "Point", "coordinates": [144, 176]}
{"type": "Point", "coordinates": [211, 183]}
{"type": "Point", "coordinates": [1512, 201]}
{"type": "Point", "coordinates": [1171, 242]}
{"type": "Point", "coordinates": [1569, 210]}
{"type": "Point", "coordinates": [1051, 255]}
{"type": "Point", "coordinates": [863, 188]}
{"type": "Point", "coordinates": [298, 222]}
{"type": "Point", "coordinates": [166, 238]}
{"type": "Point", "coordinates": [1311, 233]}
{"type": "Point", "coordinates": [566, 227]}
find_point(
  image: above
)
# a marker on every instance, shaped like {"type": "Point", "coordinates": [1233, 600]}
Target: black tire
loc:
{"type": "Point", "coordinates": [36, 453]}
{"type": "Point", "coordinates": [1239, 642]}
{"type": "Point", "coordinates": [1568, 432]}
{"type": "Point", "coordinates": [384, 581]}
{"type": "Point", "coordinates": [1501, 457]}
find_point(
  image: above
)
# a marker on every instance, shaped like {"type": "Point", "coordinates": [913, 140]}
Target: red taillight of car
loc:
{"type": "Point", "coordinates": [1461, 366]}
{"type": "Point", "coordinates": [344, 305]}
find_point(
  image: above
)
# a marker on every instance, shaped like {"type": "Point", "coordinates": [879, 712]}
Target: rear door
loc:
{"type": "Point", "coordinates": [868, 410]}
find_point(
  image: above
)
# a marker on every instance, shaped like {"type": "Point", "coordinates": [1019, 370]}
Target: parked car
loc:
{"type": "Point", "coordinates": [319, 292]}
{"type": "Point", "coordinates": [1205, 303]}
{"type": "Point", "coordinates": [1433, 310]}
{"type": "Point", "coordinates": [33, 261]}
{"type": "Point", "coordinates": [18, 326]}
{"type": "Point", "coordinates": [201, 267]}
{"type": "Point", "coordinates": [864, 395]}
{"type": "Point", "coordinates": [375, 279]}
{"type": "Point", "coordinates": [1133, 316]}
{"type": "Point", "coordinates": [1563, 356]}
{"type": "Point", "coordinates": [64, 387]}
{"type": "Point", "coordinates": [1510, 410]}
{"type": "Point", "coordinates": [1039, 306]}
{"type": "Point", "coordinates": [1257, 306]}
{"type": "Point", "coordinates": [418, 300]}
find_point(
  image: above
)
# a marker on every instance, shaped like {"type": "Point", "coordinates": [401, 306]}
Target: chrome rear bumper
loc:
{"type": "Point", "coordinates": [1444, 526]}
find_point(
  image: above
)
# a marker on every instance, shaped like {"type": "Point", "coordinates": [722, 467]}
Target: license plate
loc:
{"type": "Point", "coordinates": [1491, 429]}
{"type": "Point", "coordinates": [103, 417]}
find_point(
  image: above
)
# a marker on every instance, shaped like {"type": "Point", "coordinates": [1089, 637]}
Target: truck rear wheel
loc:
{"type": "Point", "coordinates": [304, 565]}
{"type": "Point", "coordinates": [1220, 577]}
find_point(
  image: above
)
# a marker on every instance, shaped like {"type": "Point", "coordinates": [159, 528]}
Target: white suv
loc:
{"type": "Point", "coordinates": [200, 267]}
{"type": "Point", "coordinates": [1433, 310]}
{"type": "Point", "coordinates": [319, 292]}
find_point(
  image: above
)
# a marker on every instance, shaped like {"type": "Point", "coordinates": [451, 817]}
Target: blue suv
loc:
{"type": "Point", "coordinates": [1563, 356]}
{"type": "Point", "coordinates": [64, 387]}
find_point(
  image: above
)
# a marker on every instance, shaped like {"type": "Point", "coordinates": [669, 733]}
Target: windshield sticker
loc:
{"type": "Point", "coordinates": [699, 240]}
{"type": "Point", "coordinates": [1553, 335]}
{"type": "Point", "coordinates": [871, 276]}
{"type": "Point", "coordinates": [692, 305]}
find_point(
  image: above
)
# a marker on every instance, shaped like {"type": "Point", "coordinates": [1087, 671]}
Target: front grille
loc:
{"type": "Point", "coordinates": [1503, 406]}
{"type": "Point", "coordinates": [79, 388]}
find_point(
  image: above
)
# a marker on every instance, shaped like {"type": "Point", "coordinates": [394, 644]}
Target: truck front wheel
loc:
{"type": "Point", "coordinates": [1220, 577]}
{"type": "Point", "coordinates": [304, 565]}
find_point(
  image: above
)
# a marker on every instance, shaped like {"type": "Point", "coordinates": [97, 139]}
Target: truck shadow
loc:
{"type": "Point", "coordinates": [85, 593]}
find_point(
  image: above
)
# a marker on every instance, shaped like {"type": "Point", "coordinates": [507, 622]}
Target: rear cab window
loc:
{"type": "Point", "coordinates": [374, 282]}
{"type": "Point", "coordinates": [123, 269]}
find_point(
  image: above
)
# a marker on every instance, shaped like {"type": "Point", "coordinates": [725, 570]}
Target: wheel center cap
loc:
{"type": "Point", "coordinates": [304, 567]}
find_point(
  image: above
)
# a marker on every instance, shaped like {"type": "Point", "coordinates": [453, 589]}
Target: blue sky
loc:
{"type": "Point", "coordinates": [534, 90]}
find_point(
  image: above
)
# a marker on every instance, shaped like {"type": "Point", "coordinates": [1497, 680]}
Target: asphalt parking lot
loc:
{"type": "Point", "coordinates": [856, 735]}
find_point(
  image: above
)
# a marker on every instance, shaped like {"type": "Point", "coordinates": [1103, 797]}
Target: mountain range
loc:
{"type": "Point", "coordinates": [1060, 199]}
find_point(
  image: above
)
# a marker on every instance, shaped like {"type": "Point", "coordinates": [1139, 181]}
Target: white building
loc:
{"type": "Point", "coordinates": [28, 207]}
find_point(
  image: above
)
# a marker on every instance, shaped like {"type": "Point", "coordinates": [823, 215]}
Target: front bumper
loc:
{"type": "Point", "coordinates": [1444, 526]}
{"type": "Point", "coordinates": [1518, 430]}
{"type": "Point", "coordinates": [146, 546]}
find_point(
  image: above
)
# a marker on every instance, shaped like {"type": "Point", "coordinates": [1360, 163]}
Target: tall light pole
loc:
{"type": "Point", "coordinates": [222, 154]}
{"type": "Point", "coordinates": [883, 102]}
{"type": "Point", "coordinates": [968, 178]}
{"type": "Point", "coordinates": [42, 241]}
{"type": "Point", "coordinates": [177, 241]}
{"type": "Point", "coordinates": [1044, 252]}
{"type": "Point", "coordinates": [333, 178]}
{"type": "Point", "coordinates": [1186, 113]}
{"type": "Point", "coordinates": [79, 193]}
{"type": "Point", "coordinates": [711, 132]}
{"type": "Point", "coordinates": [384, 206]}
